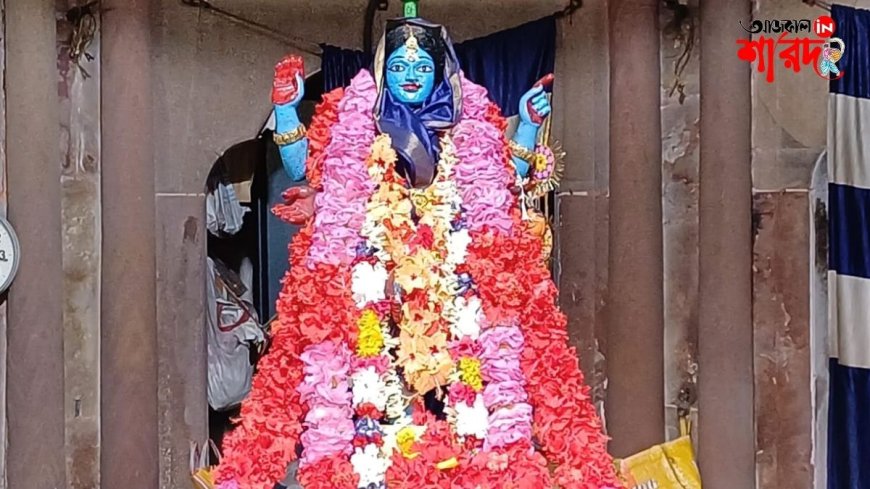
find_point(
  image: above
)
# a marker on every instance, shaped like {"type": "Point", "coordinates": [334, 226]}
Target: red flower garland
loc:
{"type": "Point", "coordinates": [317, 307]}
{"type": "Point", "coordinates": [515, 467]}
{"type": "Point", "coordinates": [334, 472]}
{"type": "Point", "coordinates": [325, 115]}
{"type": "Point", "coordinates": [514, 284]}
{"type": "Point", "coordinates": [435, 446]}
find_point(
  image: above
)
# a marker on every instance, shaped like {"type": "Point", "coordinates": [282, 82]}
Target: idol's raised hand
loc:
{"type": "Point", "coordinates": [534, 104]}
{"type": "Point", "coordinates": [288, 86]}
{"type": "Point", "coordinates": [534, 108]}
{"type": "Point", "coordinates": [288, 89]}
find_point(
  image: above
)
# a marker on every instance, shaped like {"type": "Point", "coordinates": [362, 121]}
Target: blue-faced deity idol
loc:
{"type": "Point", "coordinates": [411, 73]}
{"type": "Point", "coordinates": [419, 94]}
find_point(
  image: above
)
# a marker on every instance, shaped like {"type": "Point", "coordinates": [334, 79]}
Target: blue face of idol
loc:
{"type": "Point", "coordinates": [410, 75]}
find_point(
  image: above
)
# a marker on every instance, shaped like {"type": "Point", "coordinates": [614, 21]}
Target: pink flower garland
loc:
{"type": "Point", "coordinates": [481, 175]}
{"type": "Point", "coordinates": [510, 419]}
{"type": "Point", "coordinates": [341, 206]}
{"type": "Point", "coordinates": [326, 392]}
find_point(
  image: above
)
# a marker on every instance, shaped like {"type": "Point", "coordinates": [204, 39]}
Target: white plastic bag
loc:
{"type": "Point", "coordinates": [224, 214]}
{"type": "Point", "coordinates": [232, 329]}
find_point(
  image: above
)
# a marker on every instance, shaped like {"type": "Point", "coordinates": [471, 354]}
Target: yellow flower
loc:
{"type": "Point", "coordinates": [371, 339]}
{"type": "Point", "coordinates": [469, 369]}
{"type": "Point", "coordinates": [540, 162]}
{"type": "Point", "coordinates": [405, 440]}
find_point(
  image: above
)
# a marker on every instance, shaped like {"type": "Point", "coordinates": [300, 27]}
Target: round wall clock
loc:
{"type": "Point", "coordinates": [10, 254]}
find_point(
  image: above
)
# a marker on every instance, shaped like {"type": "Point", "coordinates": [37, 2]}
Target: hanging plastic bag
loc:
{"type": "Point", "coordinates": [232, 329]}
{"type": "Point", "coordinates": [224, 214]}
{"type": "Point", "coordinates": [670, 465]}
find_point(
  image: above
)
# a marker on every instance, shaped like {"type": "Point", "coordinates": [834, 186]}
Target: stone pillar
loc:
{"type": "Point", "coordinates": [580, 223]}
{"type": "Point", "coordinates": [725, 393]}
{"type": "Point", "coordinates": [34, 383]}
{"type": "Point", "coordinates": [635, 349]}
{"type": "Point", "coordinates": [78, 91]}
{"type": "Point", "coordinates": [180, 166]}
{"type": "Point", "coordinates": [4, 340]}
{"type": "Point", "coordinates": [129, 453]}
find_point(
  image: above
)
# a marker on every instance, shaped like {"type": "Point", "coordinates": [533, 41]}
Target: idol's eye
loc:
{"type": "Point", "coordinates": [397, 68]}
{"type": "Point", "coordinates": [425, 68]}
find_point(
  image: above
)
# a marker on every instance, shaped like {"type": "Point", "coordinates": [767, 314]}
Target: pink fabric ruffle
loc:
{"type": "Point", "coordinates": [509, 425]}
{"type": "Point", "coordinates": [505, 396]}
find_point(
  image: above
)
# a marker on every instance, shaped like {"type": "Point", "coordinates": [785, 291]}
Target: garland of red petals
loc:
{"type": "Point", "coordinates": [511, 277]}
{"type": "Point", "coordinates": [326, 114]}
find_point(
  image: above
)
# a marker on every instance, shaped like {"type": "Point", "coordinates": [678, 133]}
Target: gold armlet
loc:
{"type": "Point", "coordinates": [522, 153]}
{"type": "Point", "coordinates": [536, 160]}
{"type": "Point", "coordinates": [290, 137]}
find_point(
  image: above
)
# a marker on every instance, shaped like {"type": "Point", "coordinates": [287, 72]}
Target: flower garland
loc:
{"type": "Point", "coordinates": [505, 396]}
{"type": "Point", "coordinates": [564, 420]}
{"type": "Point", "coordinates": [377, 392]}
{"type": "Point", "coordinates": [413, 250]}
{"type": "Point", "coordinates": [325, 392]}
{"type": "Point", "coordinates": [465, 410]}
{"type": "Point", "coordinates": [341, 213]}
{"type": "Point", "coordinates": [371, 394]}
{"type": "Point", "coordinates": [341, 206]}
{"type": "Point", "coordinates": [316, 308]}
{"type": "Point", "coordinates": [483, 174]}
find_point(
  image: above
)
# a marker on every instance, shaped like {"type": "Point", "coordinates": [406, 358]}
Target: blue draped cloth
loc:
{"type": "Point", "coordinates": [507, 63]}
{"type": "Point", "coordinates": [849, 255]}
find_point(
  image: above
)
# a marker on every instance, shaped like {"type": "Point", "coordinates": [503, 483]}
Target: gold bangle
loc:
{"type": "Point", "coordinates": [290, 137]}
{"type": "Point", "coordinates": [522, 153]}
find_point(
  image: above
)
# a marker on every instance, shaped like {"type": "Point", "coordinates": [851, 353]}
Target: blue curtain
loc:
{"type": "Point", "coordinates": [340, 65]}
{"type": "Point", "coordinates": [507, 63]}
{"type": "Point", "coordinates": [849, 249]}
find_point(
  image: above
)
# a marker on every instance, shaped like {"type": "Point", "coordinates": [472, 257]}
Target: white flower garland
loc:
{"type": "Point", "coordinates": [464, 315]}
